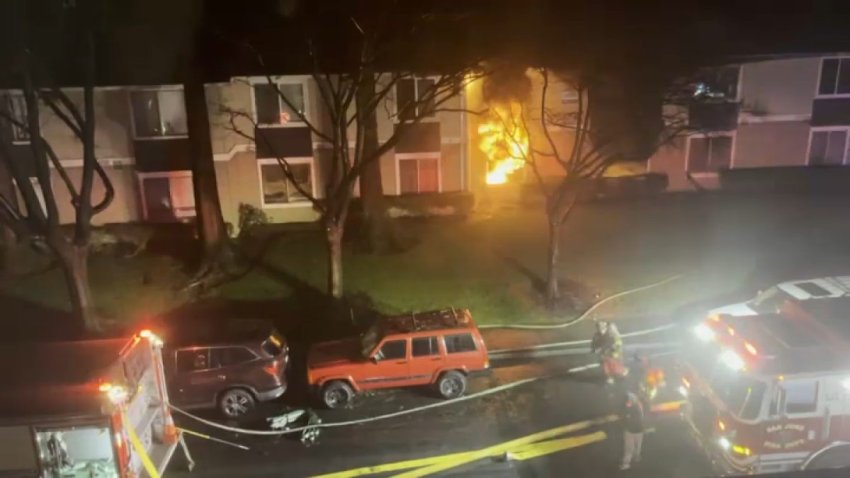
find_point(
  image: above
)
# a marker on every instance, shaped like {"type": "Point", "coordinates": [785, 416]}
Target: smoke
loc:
{"type": "Point", "coordinates": [505, 84]}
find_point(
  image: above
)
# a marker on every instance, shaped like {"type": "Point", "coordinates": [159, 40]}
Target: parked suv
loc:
{"type": "Point", "coordinates": [438, 348]}
{"type": "Point", "coordinates": [228, 368]}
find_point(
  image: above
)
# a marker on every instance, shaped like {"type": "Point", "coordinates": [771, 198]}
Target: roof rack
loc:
{"type": "Point", "coordinates": [430, 320]}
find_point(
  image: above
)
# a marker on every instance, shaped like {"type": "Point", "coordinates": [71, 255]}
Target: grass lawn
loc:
{"type": "Point", "coordinates": [490, 263]}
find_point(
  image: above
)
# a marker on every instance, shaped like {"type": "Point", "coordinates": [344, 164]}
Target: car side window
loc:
{"type": "Point", "coordinates": [801, 396]}
{"type": "Point", "coordinates": [459, 343]}
{"type": "Point", "coordinates": [228, 356]}
{"type": "Point", "coordinates": [194, 359]}
{"type": "Point", "coordinates": [424, 346]}
{"type": "Point", "coordinates": [393, 350]}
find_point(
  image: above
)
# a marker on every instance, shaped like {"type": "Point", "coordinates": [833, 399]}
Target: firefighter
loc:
{"type": "Point", "coordinates": [609, 345]}
{"type": "Point", "coordinates": [647, 380]}
{"type": "Point", "coordinates": [633, 429]}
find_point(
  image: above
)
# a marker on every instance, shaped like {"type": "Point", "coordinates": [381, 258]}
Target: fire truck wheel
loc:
{"type": "Point", "coordinates": [451, 384]}
{"type": "Point", "coordinates": [833, 456]}
{"type": "Point", "coordinates": [337, 394]}
{"type": "Point", "coordinates": [236, 403]}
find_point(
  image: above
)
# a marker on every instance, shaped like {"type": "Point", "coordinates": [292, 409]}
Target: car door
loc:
{"type": "Point", "coordinates": [425, 359]}
{"type": "Point", "coordinates": [796, 424]}
{"type": "Point", "coordinates": [389, 366]}
{"type": "Point", "coordinates": [196, 382]}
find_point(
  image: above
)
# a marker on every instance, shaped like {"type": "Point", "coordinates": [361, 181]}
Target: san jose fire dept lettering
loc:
{"type": "Point", "coordinates": [781, 432]}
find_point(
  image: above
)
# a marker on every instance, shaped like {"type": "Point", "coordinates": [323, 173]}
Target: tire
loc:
{"type": "Point", "coordinates": [451, 384]}
{"type": "Point", "coordinates": [236, 403]}
{"type": "Point", "coordinates": [336, 394]}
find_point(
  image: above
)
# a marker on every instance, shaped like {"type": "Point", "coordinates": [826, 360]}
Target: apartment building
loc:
{"type": "Point", "coordinates": [766, 113]}
{"type": "Point", "coordinates": [141, 140]}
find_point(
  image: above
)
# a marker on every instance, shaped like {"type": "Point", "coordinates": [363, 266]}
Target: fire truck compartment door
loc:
{"type": "Point", "coordinates": [17, 453]}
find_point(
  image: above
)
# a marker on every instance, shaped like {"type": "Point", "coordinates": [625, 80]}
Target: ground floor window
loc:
{"type": "Point", "coordinates": [279, 190]}
{"type": "Point", "coordinates": [167, 196]}
{"type": "Point", "coordinates": [709, 153]}
{"type": "Point", "coordinates": [418, 173]}
{"type": "Point", "coordinates": [828, 146]}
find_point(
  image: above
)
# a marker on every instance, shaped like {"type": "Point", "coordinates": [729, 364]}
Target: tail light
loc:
{"type": "Point", "coordinates": [272, 369]}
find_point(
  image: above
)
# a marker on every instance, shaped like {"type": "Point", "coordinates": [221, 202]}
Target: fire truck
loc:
{"type": "Point", "coordinates": [771, 392]}
{"type": "Point", "coordinates": [89, 408]}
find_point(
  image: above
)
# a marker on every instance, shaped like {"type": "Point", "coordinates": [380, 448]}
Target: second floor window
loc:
{"type": "Point", "coordinates": [279, 104]}
{"type": "Point", "coordinates": [16, 107]}
{"type": "Point", "coordinates": [709, 154]}
{"type": "Point", "coordinates": [158, 113]}
{"type": "Point", "coordinates": [414, 98]}
{"type": "Point", "coordinates": [834, 76]}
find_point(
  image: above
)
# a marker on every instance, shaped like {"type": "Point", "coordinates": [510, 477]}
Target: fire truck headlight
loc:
{"type": "Point", "coordinates": [724, 443]}
{"type": "Point", "coordinates": [741, 450]}
{"type": "Point", "coordinates": [683, 390]}
{"type": "Point", "coordinates": [704, 333]}
{"type": "Point", "coordinates": [732, 360]}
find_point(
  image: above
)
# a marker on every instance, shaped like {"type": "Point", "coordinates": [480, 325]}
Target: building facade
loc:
{"type": "Point", "coordinates": [778, 112]}
{"type": "Point", "coordinates": [142, 143]}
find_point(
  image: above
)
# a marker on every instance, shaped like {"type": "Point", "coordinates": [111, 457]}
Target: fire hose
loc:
{"type": "Point", "coordinates": [584, 314]}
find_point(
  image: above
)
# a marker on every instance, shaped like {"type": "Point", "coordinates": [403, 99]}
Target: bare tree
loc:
{"type": "Point", "coordinates": [569, 139]}
{"type": "Point", "coordinates": [350, 101]}
{"type": "Point", "coordinates": [42, 225]}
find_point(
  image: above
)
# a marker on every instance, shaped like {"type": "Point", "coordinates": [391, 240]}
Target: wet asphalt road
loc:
{"type": "Point", "coordinates": [474, 424]}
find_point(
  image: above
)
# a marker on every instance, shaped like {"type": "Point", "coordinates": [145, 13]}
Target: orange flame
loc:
{"type": "Point", "coordinates": [504, 140]}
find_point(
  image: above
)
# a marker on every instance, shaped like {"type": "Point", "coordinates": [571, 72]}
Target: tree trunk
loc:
{"type": "Point", "coordinates": [217, 253]}
{"type": "Point", "coordinates": [552, 291]}
{"type": "Point", "coordinates": [379, 232]}
{"type": "Point", "coordinates": [74, 263]}
{"type": "Point", "coordinates": [8, 239]}
{"type": "Point", "coordinates": [334, 239]}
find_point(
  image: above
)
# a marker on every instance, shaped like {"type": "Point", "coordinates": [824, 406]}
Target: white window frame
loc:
{"type": "Point", "coordinates": [161, 174]}
{"type": "Point", "coordinates": [302, 80]}
{"type": "Point", "coordinates": [408, 156]}
{"type": "Point", "coordinates": [299, 203]}
{"type": "Point", "coordinates": [825, 129]}
{"type": "Point", "coordinates": [714, 134]}
{"type": "Point", "coordinates": [818, 94]}
{"type": "Point", "coordinates": [6, 95]}
{"type": "Point", "coordinates": [133, 115]}
{"type": "Point", "coordinates": [424, 119]}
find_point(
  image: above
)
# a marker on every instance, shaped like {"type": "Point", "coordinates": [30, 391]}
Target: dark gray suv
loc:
{"type": "Point", "coordinates": [225, 369]}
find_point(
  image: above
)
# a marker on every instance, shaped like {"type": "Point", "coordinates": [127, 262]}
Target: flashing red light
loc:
{"type": "Point", "coordinates": [686, 382]}
{"type": "Point", "coordinates": [721, 425]}
{"type": "Point", "coordinates": [105, 387]}
{"type": "Point", "coordinates": [731, 331]}
{"type": "Point", "coordinates": [751, 348]}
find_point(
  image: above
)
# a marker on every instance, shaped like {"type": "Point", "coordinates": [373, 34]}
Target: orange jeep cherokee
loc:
{"type": "Point", "coordinates": [438, 348]}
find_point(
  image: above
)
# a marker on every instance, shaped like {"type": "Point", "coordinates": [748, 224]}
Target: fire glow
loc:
{"type": "Point", "coordinates": [504, 140]}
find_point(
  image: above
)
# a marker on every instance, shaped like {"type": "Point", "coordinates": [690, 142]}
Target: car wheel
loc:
{"type": "Point", "coordinates": [337, 394]}
{"type": "Point", "coordinates": [236, 403]}
{"type": "Point", "coordinates": [451, 384]}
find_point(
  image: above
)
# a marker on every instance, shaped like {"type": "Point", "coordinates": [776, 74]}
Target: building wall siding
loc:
{"type": "Point", "coordinates": [779, 87]}
{"type": "Point", "coordinates": [771, 144]}
{"type": "Point", "coordinates": [123, 208]}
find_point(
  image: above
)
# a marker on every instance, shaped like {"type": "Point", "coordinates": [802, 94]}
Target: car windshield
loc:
{"type": "Point", "coordinates": [769, 301]}
{"type": "Point", "coordinates": [370, 340]}
{"type": "Point", "coordinates": [742, 393]}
